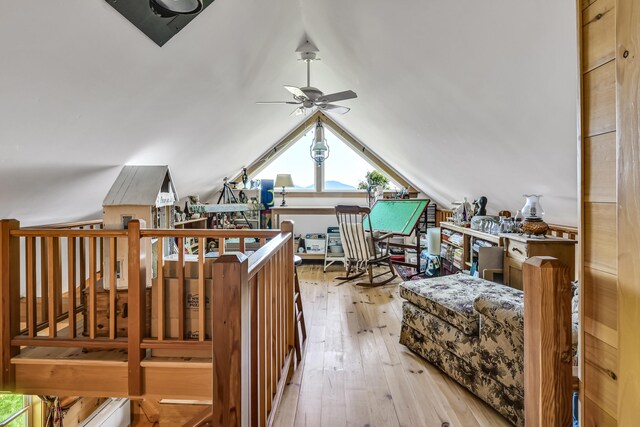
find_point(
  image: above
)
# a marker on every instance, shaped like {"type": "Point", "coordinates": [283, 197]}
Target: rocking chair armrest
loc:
{"type": "Point", "coordinates": [382, 237]}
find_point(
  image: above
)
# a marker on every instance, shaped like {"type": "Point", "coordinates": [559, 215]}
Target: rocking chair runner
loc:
{"type": "Point", "coordinates": [361, 248]}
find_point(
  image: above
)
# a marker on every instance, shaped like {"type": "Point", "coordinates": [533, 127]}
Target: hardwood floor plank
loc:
{"type": "Point", "coordinates": [356, 373]}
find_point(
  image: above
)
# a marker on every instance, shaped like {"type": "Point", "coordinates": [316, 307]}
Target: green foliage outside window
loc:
{"type": "Point", "coordinates": [373, 179]}
{"type": "Point", "coordinates": [9, 405]}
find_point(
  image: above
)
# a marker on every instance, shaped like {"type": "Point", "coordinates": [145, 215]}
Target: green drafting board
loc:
{"type": "Point", "coordinates": [396, 216]}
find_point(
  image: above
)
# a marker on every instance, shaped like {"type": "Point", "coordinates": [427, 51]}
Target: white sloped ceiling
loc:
{"type": "Point", "coordinates": [465, 98]}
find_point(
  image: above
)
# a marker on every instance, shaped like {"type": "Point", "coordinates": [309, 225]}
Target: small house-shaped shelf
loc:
{"type": "Point", "coordinates": [140, 192]}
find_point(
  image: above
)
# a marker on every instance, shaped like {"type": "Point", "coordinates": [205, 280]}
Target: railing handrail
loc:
{"type": "Point", "coordinates": [565, 228]}
{"type": "Point", "coordinates": [258, 259]}
{"type": "Point", "coordinates": [257, 292]}
{"type": "Point", "coordinates": [209, 234]}
{"type": "Point", "coordinates": [61, 225]}
{"type": "Point", "coordinates": [68, 232]}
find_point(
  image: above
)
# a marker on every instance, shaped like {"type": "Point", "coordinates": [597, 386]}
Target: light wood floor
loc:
{"type": "Point", "coordinates": [355, 372]}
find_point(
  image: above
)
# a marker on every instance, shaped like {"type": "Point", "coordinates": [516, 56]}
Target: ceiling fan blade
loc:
{"type": "Point", "coordinates": [338, 96]}
{"type": "Point", "coordinates": [278, 102]}
{"type": "Point", "coordinates": [296, 91]}
{"type": "Point", "coordinates": [334, 108]}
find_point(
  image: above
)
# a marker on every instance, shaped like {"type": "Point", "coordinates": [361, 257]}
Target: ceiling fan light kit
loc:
{"type": "Point", "coordinates": [308, 97]}
{"type": "Point", "coordinates": [319, 149]}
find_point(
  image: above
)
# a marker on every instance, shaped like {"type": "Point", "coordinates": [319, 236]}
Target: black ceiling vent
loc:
{"type": "Point", "coordinates": [160, 19]}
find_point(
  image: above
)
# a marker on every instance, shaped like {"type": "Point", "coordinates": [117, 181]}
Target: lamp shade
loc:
{"type": "Point", "coordinates": [283, 180]}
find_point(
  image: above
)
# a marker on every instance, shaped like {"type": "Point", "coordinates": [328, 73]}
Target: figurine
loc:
{"type": "Point", "coordinates": [245, 177]}
{"type": "Point", "coordinates": [480, 206]}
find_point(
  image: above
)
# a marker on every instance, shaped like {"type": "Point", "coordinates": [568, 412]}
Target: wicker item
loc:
{"type": "Point", "coordinates": [534, 227]}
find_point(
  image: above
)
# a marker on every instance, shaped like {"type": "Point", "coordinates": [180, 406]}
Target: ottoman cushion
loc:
{"type": "Point", "coordinates": [450, 298]}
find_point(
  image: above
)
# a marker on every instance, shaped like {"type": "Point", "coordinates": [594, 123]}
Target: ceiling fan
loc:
{"type": "Point", "coordinates": [308, 96]}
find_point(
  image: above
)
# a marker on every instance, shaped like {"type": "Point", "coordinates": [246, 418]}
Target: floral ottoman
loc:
{"type": "Point", "coordinates": [473, 330]}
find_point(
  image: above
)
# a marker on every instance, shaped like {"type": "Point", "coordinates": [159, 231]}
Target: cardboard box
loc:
{"type": "Point", "coordinates": [170, 268]}
{"type": "Point", "coordinates": [191, 302]}
{"type": "Point", "coordinates": [103, 314]}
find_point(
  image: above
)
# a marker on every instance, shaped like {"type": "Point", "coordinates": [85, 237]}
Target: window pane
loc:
{"type": "Point", "coordinates": [344, 169]}
{"type": "Point", "coordinates": [21, 421]}
{"type": "Point", "coordinates": [9, 405]}
{"type": "Point", "coordinates": [295, 161]}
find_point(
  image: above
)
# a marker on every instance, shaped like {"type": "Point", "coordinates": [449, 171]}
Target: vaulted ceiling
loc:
{"type": "Point", "coordinates": [463, 97]}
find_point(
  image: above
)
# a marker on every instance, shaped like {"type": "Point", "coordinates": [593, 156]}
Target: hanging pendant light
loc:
{"type": "Point", "coordinates": [319, 149]}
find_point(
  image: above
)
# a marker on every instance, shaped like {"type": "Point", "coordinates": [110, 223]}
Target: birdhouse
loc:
{"type": "Point", "coordinates": [144, 193]}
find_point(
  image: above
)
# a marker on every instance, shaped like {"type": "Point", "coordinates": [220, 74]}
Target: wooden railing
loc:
{"type": "Point", "coordinates": [547, 343]}
{"type": "Point", "coordinates": [563, 231]}
{"type": "Point", "coordinates": [250, 333]}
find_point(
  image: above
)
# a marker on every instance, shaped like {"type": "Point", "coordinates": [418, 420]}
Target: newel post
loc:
{"type": "Point", "coordinates": [231, 342]}
{"type": "Point", "coordinates": [547, 343]}
{"type": "Point", "coordinates": [10, 296]}
{"type": "Point", "coordinates": [137, 277]}
{"type": "Point", "coordinates": [287, 227]}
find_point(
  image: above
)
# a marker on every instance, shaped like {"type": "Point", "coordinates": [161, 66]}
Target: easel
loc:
{"type": "Point", "coordinates": [402, 218]}
{"type": "Point", "coordinates": [227, 197]}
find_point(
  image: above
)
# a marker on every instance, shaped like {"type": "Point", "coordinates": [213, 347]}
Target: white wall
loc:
{"type": "Point", "coordinates": [463, 97]}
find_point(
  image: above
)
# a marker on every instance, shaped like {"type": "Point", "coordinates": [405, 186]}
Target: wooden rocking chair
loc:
{"type": "Point", "coordinates": [361, 246]}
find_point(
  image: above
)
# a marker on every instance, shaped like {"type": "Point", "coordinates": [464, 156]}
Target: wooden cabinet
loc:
{"type": "Point", "coordinates": [519, 248]}
{"type": "Point", "coordinates": [460, 254]}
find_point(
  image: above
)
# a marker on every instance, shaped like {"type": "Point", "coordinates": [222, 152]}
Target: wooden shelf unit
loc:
{"type": "Point", "coordinates": [469, 254]}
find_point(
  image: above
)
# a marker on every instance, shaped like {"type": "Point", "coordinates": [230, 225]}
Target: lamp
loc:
{"type": "Point", "coordinates": [319, 150]}
{"type": "Point", "coordinates": [283, 180]}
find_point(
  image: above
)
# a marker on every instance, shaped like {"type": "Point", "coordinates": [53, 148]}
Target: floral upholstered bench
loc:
{"type": "Point", "coordinates": [473, 330]}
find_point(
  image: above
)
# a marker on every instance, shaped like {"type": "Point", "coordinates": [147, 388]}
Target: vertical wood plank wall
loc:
{"type": "Point", "coordinates": [599, 204]}
{"type": "Point", "coordinates": [610, 197]}
{"type": "Point", "coordinates": [628, 125]}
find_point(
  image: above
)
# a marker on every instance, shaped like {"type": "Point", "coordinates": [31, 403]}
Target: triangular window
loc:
{"type": "Point", "coordinates": [343, 170]}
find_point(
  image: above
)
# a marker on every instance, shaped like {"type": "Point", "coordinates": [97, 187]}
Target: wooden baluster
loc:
{"type": "Point", "coordinates": [202, 297]}
{"type": "Point", "coordinates": [272, 333]}
{"type": "Point", "coordinates": [113, 291]}
{"type": "Point", "coordinates": [279, 336]}
{"type": "Point", "coordinates": [92, 306]}
{"type": "Point", "coordinates": [287, 227]}
{"type": "Point", "coordinates": [9, 300]}
{"type": "Point", "coordinates": [57, 274]}
{"type": "Point", "coordinates": [32, 297]}
{"type": "Point", "coordinates": [263, 241]}
{"type": "Point", "coordinates": [44, 287]}
{"type": "Point", "coordinates": [181, 299]}
{"type": "Point", "coordinates": [161, 312]}
{"type": "Point", "coordinates": [51, 288]}
{"type": "Point", "coordinates": [71, 285]}
{"type": "Point", "coordinates": [262, 347]}
{"type": "Point", "coordinates": [267, 336]}
{"type": "Point", "coordinates": [101, 263]}
{"type": "Point", "coordinates": [82, 260]}
{"type": "Point", "coordinates": [547, 342]}
{"type": "Point", "coordinates": [136, 300]}
{"type": "Point", "coordinates": [254, 328]}
{"type": "Point", "coordinates": [221, 248]}
{"type": "Point", "coordinates": [243, 248]}
{"type": "Point", "coordinates": [231, 341]}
